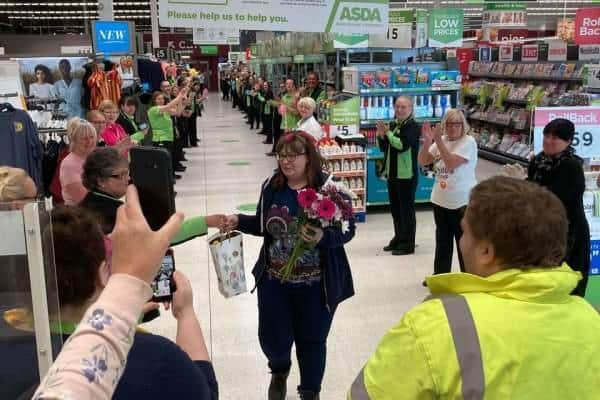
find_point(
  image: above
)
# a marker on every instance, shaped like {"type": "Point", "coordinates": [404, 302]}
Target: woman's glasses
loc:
{"type": "Point", "coordinates": [122, 175]}
{"type": "Point", "coordinates": [291, 157]}
{"type": "Point", "coordinates": [454, 124]}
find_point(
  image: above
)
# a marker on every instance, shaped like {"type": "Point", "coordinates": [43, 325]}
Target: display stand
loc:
{"type": "Point", "coordinates": [27, 250]}
{"type": "Point", "coordinates": [377, 86]}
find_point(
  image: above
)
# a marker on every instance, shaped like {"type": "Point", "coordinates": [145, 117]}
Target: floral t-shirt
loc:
{"type": "Point", "coordinates": [282, 226]}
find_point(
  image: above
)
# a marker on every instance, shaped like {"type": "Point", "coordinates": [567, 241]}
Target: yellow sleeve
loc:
{"type": "Point", "coordinates": [397, 370]}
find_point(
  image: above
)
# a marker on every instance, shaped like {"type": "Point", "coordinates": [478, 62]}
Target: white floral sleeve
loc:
{"type": "Point", "coordinates": [92, 360]}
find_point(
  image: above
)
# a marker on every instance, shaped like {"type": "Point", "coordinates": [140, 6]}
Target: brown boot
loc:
{"type": "Point", "coordinates": [278, 386]}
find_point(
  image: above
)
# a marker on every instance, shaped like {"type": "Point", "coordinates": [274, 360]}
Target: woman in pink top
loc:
{"type": "Point", "coordinates": [82, 141]}
{"type": "Point", "coordinates": [113, 134]}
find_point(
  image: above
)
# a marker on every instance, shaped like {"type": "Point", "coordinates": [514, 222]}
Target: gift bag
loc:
{"type": "Point", "coordinates": [228, 257]}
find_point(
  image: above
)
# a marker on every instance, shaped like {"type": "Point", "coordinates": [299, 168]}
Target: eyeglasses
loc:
{"type": "Point", "coordinates": [289, 157]}
{"type": "Point", "coordinates": [454, 124]}
{"type": "Point", "coordinates": [122, 175]}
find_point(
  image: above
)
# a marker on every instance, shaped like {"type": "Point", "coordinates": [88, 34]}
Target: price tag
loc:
{"type": "Point", "coordinates": [587, 128]}
{"type": "Point", "coordinates": [344, 131]}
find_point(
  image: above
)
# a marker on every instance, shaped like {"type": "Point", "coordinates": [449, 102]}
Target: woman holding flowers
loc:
{"type": "Point", "coordinates": [302, 273]}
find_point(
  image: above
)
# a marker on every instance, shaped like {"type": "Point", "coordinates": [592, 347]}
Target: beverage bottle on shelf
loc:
{"type": "Point", "coordinates": [371, 109]}
{"type": "Point", "coordinates": [444, 104]}
{"type": "Point", "coordinates": [429, 106]}
{"type": "Point", "coordinates": [363, 108]}
{"type": "Point", "coordinates": [417, 106]}
{"type": "Point", "coordinates": [448, 102]}
{"type": "Point", "coordinates": [387, 109]}
{"type": "Point", "coordinates": [437, 111]}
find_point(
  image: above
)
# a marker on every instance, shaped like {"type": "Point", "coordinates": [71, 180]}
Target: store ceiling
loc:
{"type": "Point", "coordinates": [70, 16]}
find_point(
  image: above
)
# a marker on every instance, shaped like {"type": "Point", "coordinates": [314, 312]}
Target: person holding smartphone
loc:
{"type": "Point", "coordinates": [136, 131]}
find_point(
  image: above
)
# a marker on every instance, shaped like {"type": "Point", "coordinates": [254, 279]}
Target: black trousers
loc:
{"type": "Point", "coordinates": [193, 131]}
{"type": "Point", "coordinates": [234, 98]}
{"type": "Point", "coordinates": [402, 202]}
{"type": "Point", "coordinates": [254, 115]}
{"type": "Point", "coordinates": [277, 131]}
{"type": "Point", "coordinates": [267, 125]}
{"type": "Point", "coordinates": [447, 232]}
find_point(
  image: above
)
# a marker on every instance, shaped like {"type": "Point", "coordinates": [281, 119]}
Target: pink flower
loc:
{"type": "Point", "coordinates": [327, 209]}
{"type": "Point", "coordinates": [307, 197]}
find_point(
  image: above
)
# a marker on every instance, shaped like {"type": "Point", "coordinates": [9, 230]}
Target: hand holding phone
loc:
{"type": "Point", "coordinates": [163, 285]}
{"type": "Point", "coordinates": [183, 299]}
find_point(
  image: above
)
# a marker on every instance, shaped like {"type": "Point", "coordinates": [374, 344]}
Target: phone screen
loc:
{"type": "Point", "coordinates": [143, 126]}
{"type": "Point", "coordinates": [163, 286]}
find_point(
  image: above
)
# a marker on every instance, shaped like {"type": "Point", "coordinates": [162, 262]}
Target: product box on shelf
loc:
{"type": "Point", "coordinates": [444, 79]}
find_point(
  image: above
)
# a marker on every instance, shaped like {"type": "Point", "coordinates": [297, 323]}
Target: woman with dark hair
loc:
{"type": "Point", "coordinates": [159, 116]}
{"type": "Point", "coordinates": [106, 176]}
{"type": "Point", "coordinates": [296, 309]}
{"type": "Point", "coordinates": [558, 169]}
{"type": "Point", "coordinates": [126, 119]}
{"type": "Point", "coordinates": [155, 367]}
{"type": "Point", "coordinates": [561, 171]}
{"type": "Point", "coordinates": [42, 88]}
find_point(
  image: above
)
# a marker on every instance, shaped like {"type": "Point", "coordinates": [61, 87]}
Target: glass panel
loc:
{"type": "Point", "coordinates": [28, 298]}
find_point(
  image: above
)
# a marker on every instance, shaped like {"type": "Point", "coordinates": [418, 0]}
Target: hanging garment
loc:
{"type": "Point", "coordinates": [98, 84]}
{"type": "Point", "coordinates": [114, 85]}
{"type": "Point", "coordinates": [20, 146]}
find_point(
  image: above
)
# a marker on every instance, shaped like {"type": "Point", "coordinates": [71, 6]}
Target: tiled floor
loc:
{"type": "Point", "coordinates": [386, 286]}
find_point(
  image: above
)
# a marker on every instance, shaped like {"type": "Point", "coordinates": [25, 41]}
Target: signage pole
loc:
{"type": "Point", "coordinates": [154, 22]}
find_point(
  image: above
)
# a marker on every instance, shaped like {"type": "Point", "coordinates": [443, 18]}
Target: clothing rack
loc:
{"type": "Point", "coordinates": [9, 95]}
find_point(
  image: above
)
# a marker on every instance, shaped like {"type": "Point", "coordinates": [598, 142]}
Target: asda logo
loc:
{"type": "Point", "coordinates": [360, 14]}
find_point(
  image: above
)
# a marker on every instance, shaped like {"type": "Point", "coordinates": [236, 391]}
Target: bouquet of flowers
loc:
{"type": "Point", "coordinates": [323, 209]}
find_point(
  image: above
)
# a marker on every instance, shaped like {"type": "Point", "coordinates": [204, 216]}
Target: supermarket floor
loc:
{"type": "Point", "coordinates": [224, 174]}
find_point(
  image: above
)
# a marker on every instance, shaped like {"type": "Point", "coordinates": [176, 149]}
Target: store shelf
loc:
{"type": "Point", "coordinates": [366, 123]}
{"type": "Point", "coordinates": [426, 89]}
{"type": "Point", "coordinates": [501, 157]}
{"type": "Point", "coordinates": [524, 78]}
{"type": "Point", "coordinates": [349, 174]}
{"type": "Point", "coordinates": [516, 101]}
{"type": "Point", "coordinates": [343, 156]}
{"type": "Point", "coordinates": [501, 124]}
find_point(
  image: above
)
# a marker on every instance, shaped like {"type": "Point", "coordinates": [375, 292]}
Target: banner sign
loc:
{"type": "Point", "coordinates": [341, 16]}
{"type": "Point", "coordinates": [445, 27]}
{"type": "Point", "coordinates": [557, 50]}
{"type": "Point", "coordinates": [112, 37]}
{"type": "Point", "coordinates": [399, 34]}
{"type": "Point", "coordinates": [504, 15]}
{"type": "Point", "coordinates": [356, 41]}
{"type": "Point", "coordinates": [589, 52]}
{"type": "Point", "coordinates": [346, 112]}
{"type": "Point", "coordinates": [587, 127]}
{"type": "Point", "coordinates": [421, 32]}
{"type": "Point", "coordinates": [587, 26]}
{"type": "Point", "coordinates": [529, 52]}
{"type": "Point", "coordinates": [505, 53]}
{"type": "Point", "coordinates": [216, 36]}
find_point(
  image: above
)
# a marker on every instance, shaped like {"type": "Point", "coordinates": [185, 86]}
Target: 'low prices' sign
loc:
{"type": "Point", "coordinates": [445, 27]}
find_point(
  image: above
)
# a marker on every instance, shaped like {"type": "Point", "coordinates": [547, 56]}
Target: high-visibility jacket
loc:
{"type": "Point", "coordinates": [528, 339]}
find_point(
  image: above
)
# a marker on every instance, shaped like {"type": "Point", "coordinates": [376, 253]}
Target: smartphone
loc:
{"type": "Point", "coordinates": [152, 174]}
{"type": "Point", "coordinates": [163, 285]}
{"type": "Point", "coordinates": [142, 126]}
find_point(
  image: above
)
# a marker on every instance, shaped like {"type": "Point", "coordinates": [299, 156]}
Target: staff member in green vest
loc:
{"type": "Point", "coordinates": [314, 89]}
{"type": "Point", "coordinates": [127, 120]}
{"type": "Point", "coordinates": [265, 96]}
{"type": "Point", "coordinates": [159, 116]}
{"type": "Point", "coordinates": [400, 143]}
{"type": "Point", "coordinates": [508, 328]}
{"type": "Point", "coordinates": [291, 116]}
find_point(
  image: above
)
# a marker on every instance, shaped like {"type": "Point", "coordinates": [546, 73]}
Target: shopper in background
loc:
{"type": "Point", "coordinates": [308, 123]}
{"type": "Point", "coordinates": [225, 86]}
{"type": "Point", "coordinates": [314, 89]}
{"type": "Point", "coordinates": [508, 328]}
{"type": "Point", "coordinates": [561, 171]}
{"type": "Point", "coordinates": [113, 134]}
{"type": "Point", "coordinates": [92, 363]}
{"type": "Point", "coordinates": [42, 88]}
{"type": "Point", "coordinates": [106, 176]}
{"type": "Point", "coordinates": [159, 116]}
{"type": "Point", "coordinates": [289, 112]}
{"type": "Point", "coordinates": [82, 141]}
{"type": "Point", "coordinates": [298, 309]}
{"type": "Point", "coordinates": [127, 119]}
{"type": "Point", "coordinates": [266, 97]}
{"type": "Point", "coordinates": [453, 154]}
{"type": "Point", "coordinates": [400, 143]}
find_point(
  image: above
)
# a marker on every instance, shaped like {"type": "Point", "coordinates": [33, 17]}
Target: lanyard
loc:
{"type": "Point", "coordinates": [106, 196]}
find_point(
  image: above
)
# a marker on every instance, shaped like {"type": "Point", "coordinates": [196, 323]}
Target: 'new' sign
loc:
{"type": "Point", "coordinates": [112, 37]}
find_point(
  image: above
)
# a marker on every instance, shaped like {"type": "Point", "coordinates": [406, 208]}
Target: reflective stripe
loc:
{"type": "Point", "coordinates": [466, 343]}
{"type": "Point", "coordinates": [358, 390]}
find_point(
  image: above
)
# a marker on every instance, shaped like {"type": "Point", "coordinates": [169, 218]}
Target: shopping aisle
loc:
{"type": "Point", "coordinates": [386, 286]}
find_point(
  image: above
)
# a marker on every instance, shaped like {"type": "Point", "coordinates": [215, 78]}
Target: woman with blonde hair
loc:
{"type": "Point", "coordinates": [113, 134]}
{"type": "Point", "coordinates": [82, 141]}
{"type": "Point", "coordinates": [453, 153]}
{"type": "Point", "coordinates": [308, 123]}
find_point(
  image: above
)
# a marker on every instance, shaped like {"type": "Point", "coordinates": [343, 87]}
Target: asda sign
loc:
{"type": "Point", "coordinates": [445, 27]}
{"type": "Point", "coordinates": [336, 16]}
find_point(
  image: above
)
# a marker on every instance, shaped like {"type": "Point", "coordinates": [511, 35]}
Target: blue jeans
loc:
{"type": "Point", "coordinates": [289, 313]}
